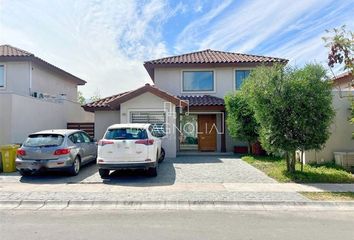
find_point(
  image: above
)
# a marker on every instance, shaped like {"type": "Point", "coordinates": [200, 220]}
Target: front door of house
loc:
{"type": "Point", "coordinates": [207, 132]}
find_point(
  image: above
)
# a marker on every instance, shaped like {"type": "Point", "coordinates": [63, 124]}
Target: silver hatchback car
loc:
{"type": "Point", "coordinates": [60, 149]}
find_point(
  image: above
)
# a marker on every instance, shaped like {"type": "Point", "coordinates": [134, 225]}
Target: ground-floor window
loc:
{"type": "Point", "coordinates": [156, 118]}
{"type": "Point", "coordinates": [188, 132]}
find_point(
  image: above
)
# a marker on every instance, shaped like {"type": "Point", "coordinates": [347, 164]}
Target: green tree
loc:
{"type": "Point", "coordinates": [240, 119]}
{"type": "Point", "coordinates": [292, 106]}
{"type": "Point", "coordinates": [80, 98]}
{"type": "Point", "coordinates": [96, 96]}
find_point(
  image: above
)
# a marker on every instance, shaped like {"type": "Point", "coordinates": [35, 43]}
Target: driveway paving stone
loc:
{"type": "Point", "coordinates": [184, 178]}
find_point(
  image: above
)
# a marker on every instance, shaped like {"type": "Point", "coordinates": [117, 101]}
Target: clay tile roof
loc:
{"type": "Point", "coordinates": [205, 100]}
{"type": "Point", "coordinates": [343, 78]}
{"type": "Point", "coordinates": [10, 53]}
{"type": "Point", "coordinates": [103, 103]}
{"type": "Point", "coordinates": [113, 102]}
{"type": "Point", "coordinates": [212, 56]}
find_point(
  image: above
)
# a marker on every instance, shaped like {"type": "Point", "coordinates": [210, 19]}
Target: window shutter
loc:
{"type": "Point", "coordinates": [157, 119]}
{"type": "Point", "coordinates": [148, 117]}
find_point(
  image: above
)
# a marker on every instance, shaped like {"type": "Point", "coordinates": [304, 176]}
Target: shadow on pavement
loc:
{"type": "Point", "coordinates": [58, 177]}
{"type": "Point", "coordinates": [138, 178]}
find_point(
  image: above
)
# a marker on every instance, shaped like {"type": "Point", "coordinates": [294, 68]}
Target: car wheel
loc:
{"type": "Point", "coordinates": [152, 172]}
{"type": "Point", "coordinates": [162, 155]}
{"type": "Point", "coordinates": [25, 173]}
{"type": "Point", "coordinates": [104, 173]}
{"type": "Point", "coordinates": [75, 168]}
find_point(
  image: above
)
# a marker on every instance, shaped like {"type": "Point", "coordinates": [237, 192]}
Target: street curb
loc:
{"type": "Point", "coordinates": [175, 205]}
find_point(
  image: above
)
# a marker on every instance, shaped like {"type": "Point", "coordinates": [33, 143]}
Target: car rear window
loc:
{"type": "Point", "coordinates": [44, 140]}
{"type": "Point", "coordinates": [126, 133]}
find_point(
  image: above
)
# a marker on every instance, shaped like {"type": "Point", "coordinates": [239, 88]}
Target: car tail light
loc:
{"type": "Point", "coordinates": [21, 152]}
{"type": "Point", "coordinates": [62, 151]}
{"type": "Point", "coordinates": [145, 141]}
{"type": "Point", "coordinates": [104, 142]}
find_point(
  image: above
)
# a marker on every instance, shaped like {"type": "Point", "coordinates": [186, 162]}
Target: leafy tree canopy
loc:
{"type": "Point", "coordinates": [292, 106]}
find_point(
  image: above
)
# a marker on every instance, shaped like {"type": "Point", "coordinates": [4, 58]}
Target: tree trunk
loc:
{"type": "Point", "coordinates": [293, 162]}
{"type": "Point", "coordinates": [287, 161]}
{"type": "Point", "coordinates": [290, 162]}
{"type": "Point", "coordinates": [302, 160]}
{"type": "Point", "coordinates": [249, 148]}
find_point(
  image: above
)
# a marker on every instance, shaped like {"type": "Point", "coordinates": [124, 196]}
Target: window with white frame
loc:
{"type": "Point", "coordinates": [240, 76]}
{"type": "Point", "coordinates": [198, 81]}
{"type": "Point", "coordinates": [156, 118]}
{"type": "Point", "coordinates": [2, 76]}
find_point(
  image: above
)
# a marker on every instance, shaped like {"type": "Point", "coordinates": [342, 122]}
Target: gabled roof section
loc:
{"type": "Point", "coordinates": [102, 104]}
{"type": "Point", "coordinates": [113, 102]}
{"type": "Point", "coordinates": [10, 53]}
{"type": "Point", "coordinates": [210, 57]}
{"type": "Point", "coordinates": [213, 56]}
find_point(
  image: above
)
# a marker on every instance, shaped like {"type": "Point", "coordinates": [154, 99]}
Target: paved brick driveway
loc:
{"type": "Point", "coordinates": [186, 169]}
{"type": "Point", "coordinates": [183, 178]}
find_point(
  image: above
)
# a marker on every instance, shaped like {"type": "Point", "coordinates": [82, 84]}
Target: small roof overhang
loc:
{"type": "Point", "coordinates": [114, 102]}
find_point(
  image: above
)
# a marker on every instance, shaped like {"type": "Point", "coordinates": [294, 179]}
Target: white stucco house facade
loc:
{"type": "Point", "coordinates": [186, 99]}
{"type": "Point", "coordinates": [35, 95]}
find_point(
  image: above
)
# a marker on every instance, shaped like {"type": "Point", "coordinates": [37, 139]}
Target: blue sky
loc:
{"type": "Point", "coordinates": [106, 42]}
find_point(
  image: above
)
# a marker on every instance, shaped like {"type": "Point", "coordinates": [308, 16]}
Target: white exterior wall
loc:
{"type": "Point", "coordinates": [19, 75]}
{"type": "Point", "coordinates": [5, 118]}
{"type": "Point", "coordinates": [17, 78]}
{"type": "Point", "coordinates": [150, 102]}
{"type": "Point", "coordinates": [45, 81]}
{"type": "Point", "coordinates": [21, 114]}
{"type": "Point", "coordinates": [104, 119]}
{"type": "Point", "coordinates": [170, 80]}
{"type": "Point", "coordinates": [340, 139]}
{"type": "Point", "coordinates": [24, 115]}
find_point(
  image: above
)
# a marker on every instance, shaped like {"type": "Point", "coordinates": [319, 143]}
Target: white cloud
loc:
{"type": "Point", "coordinates": [105, 42]}
{"type": "Point", "coordinates": [247, 25]}
{"type": "Point", "coordinates": [307, 45]}
{"type": "Point", "coordinates": [190, 36]}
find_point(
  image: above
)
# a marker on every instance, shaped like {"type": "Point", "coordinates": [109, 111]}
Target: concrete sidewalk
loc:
{"type": "Point", "coordinates": [221, 196]}
{"type": "Point", "coordinates": [176, 187]}
{"type": "Point", "coordinates": [176, 192]}
{"type": "Point", "coordinates": [45, 205]}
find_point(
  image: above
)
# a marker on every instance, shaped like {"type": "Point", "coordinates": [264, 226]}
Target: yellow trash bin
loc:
{"type": "Point", "coordinates": [8, 156]}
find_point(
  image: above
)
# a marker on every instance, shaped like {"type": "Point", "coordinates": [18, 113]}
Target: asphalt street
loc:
{"type": "Point", "coordinates": [148, 225]}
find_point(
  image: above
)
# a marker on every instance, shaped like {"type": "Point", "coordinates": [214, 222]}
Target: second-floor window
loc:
{"type": "Point", "coordinates": [240, 76]}
{"type": "Point", "coordinates": [198, 81]}
{"type": "Point", "coordinates": [2, 76]}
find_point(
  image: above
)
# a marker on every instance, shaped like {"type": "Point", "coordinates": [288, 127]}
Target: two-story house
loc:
{"type": "Point", "coordinates": [186, 99]}
{"type": "Point", "coordinates": [35, 95]}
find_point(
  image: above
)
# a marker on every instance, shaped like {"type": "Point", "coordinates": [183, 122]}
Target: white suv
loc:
{"type": "Point", "coordinates": [130, 146]}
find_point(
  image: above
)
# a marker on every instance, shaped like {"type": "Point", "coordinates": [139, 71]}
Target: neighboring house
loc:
{"type": "Point", "coordinates": [35, 95]}
{"type": "Point", "coordinates": [186, 99]}
{"type": "Point", "coordinates": [340, 139]}
{"type": "Point", "coordinates": [343, 82]}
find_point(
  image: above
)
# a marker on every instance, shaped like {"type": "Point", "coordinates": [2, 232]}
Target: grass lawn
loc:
{"type": "Point", "coordinates": [329, 196]}
{"type": "Point", "coordinates": [276, 168]}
